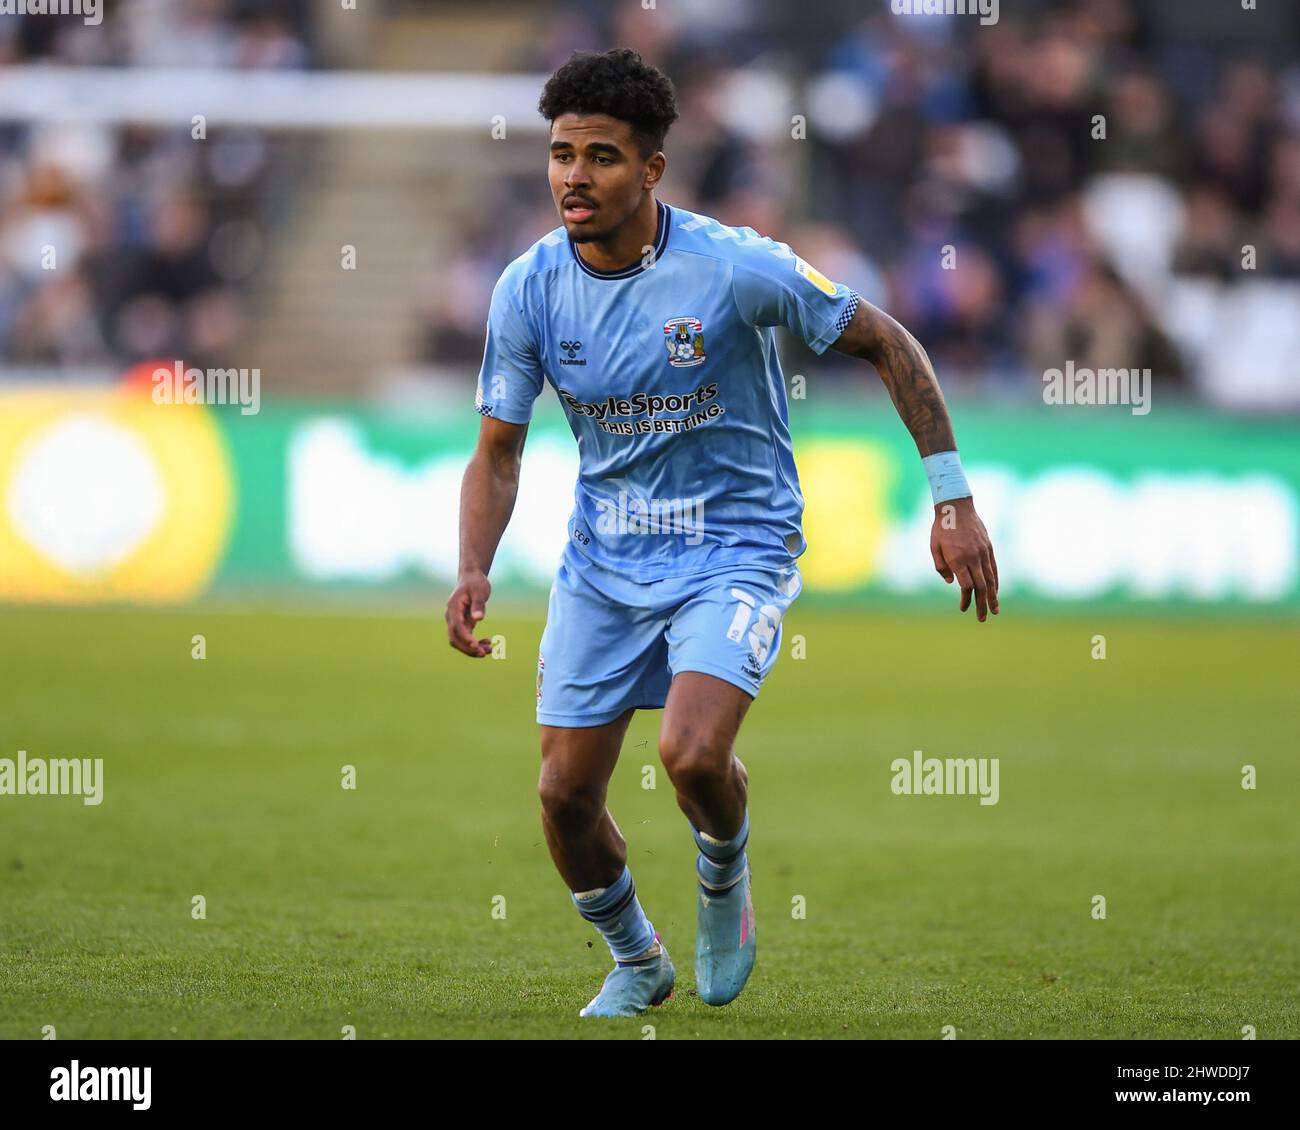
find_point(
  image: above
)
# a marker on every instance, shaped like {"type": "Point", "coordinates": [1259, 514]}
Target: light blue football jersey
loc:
{"type": "Point", "coordinates": [668, 375]}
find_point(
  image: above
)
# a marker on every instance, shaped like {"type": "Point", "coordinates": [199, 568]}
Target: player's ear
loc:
{"type": "Point", "coordinates": [654, 169]}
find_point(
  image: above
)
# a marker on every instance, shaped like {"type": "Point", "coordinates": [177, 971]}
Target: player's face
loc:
{"type": "Point", "coordinates": [597, 174]}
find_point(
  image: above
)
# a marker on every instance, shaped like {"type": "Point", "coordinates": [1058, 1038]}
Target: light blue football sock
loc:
{"type": "Point", "coordinates": [721, 863]}
{"type": "Point", "coordinates": [616, 912]}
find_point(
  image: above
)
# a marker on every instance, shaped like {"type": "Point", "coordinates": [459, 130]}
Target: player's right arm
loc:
{"type": "Point", "coordinates": [487, 499]}
{"type": "Point", "coordinates": [508, 383]}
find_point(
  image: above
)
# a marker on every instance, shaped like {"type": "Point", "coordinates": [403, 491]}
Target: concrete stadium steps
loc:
{"type": "Point", "coordinates": [480, 36]}
{"type": "Point", "coordinates": [394, 196]}
{"type": "Point", "coordinates": [323, 327]}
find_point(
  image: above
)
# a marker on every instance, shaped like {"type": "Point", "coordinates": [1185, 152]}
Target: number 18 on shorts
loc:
{"type": "Point", "coordinates": [611, 644]}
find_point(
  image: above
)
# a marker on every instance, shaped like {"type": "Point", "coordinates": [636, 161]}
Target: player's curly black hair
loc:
{"type": "Point", "coordinates": [618, 83]}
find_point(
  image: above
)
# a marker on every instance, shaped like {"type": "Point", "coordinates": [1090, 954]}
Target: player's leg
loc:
{"type": "Point", "coordinates": [577, 763]}
{"type": "Point", "coordinates": [591, 856]}
{"type": "Point", "coordinates": [600, 660]}
{"type": "Point", "coordinates": [697, 743]}
{"type": "Point", "coordinates": [723, 642]}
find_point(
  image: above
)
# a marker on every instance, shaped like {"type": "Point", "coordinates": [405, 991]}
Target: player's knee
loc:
{"type": "Point", "coordinates": [695, 761]}
{"type": "Point", "coordinates": [568, 804]}
{"type": "Point", "coordinates": [741, 772]}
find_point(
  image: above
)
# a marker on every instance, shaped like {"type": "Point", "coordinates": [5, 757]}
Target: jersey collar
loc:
{"type": "Point", "coordinates": [661, 242]}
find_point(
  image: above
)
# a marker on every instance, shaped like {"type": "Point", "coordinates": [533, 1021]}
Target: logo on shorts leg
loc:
{"type": "Point", "coordinates": [541, 670]}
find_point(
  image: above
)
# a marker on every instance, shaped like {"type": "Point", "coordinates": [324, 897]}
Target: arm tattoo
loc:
{"type": "Point", "coordinates": [906, 371]}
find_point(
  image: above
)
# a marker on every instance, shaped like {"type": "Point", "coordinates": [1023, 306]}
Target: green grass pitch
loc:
{"type": "Point", "coordinates": [374, 907]}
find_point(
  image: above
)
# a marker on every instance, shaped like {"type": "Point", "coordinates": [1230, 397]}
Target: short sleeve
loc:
{"type": "Point", "coordinates": [774, 287]}
{"type": "Point", "coordinates": [511, 377]}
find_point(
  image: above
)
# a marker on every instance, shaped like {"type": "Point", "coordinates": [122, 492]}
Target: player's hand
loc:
{"type": "Point", "coordinates": [466, 607]}
{"type": "Point", "coordinates": [961, 549]}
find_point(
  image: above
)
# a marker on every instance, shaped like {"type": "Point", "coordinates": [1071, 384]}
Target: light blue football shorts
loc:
{"type": "Point", "coordinates": [611, 643]}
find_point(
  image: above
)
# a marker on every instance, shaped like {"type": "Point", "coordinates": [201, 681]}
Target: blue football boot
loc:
{"type": "Point", "coordinates": [725, 946]}
{"type": "Point", "coordinates": [630, 989]}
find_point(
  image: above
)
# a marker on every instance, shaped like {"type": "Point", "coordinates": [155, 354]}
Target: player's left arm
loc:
{"type": "Point", "coordinates": [959, 543]}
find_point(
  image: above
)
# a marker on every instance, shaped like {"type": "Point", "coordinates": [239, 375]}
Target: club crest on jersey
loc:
{"type": "Point", "coordinates": [684, 338]}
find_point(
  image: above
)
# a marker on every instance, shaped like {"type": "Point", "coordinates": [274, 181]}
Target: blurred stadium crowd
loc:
{"type": "Point", "coordinates": [1073, 182]}
{"type": "Point", "coordinates": [154, 241]}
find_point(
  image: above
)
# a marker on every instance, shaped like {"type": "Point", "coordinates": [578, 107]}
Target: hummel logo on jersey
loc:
{"type": "Point", "coordinates": [571, 348]}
